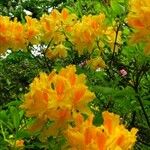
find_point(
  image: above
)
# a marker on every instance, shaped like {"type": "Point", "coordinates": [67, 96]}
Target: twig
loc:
{"type": "Point", "coordinates": [115, 42]}
{"type": "Point", "coordinates": [44, 53]}
{"type": "Point", "coordinates": [142, 106]}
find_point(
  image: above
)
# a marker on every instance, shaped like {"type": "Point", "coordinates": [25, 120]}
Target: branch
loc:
{"type": "Point", "coordinates": [142, 106]}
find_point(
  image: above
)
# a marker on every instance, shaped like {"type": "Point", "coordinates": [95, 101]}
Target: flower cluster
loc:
{"type": "Point", "coordinates": [111, 135]}
{"type": "Point", "coordinates": [56, 25]}
{"type": "Point", "coordinates": [85, 32]}
{"type": "Point", "coordinates": [54, 30]}
{"type": "Point", "coordinates": [17, 36]}
{"type": "Point", "coordinates": [57, 100]}
{"type": "Point", "coordinates": [11, 34]}
{"type": "Point", "coordinates": [57, 97]}
{"type": "Point", "coordinates": [51, 27]}
{"type": "Point", "coordinates": [138, 18]}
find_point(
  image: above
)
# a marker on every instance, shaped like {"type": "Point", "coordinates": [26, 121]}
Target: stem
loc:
{"type": "Point", "coordinates": [100, 50]}
{"type": "Point", "coordinates": [132, 123]}
{"type": "Point", "coordinates": [142, 106]}
{"type": "Point", "coordinates": [4, 136]}
{"type": "Point", "coordinates": [45, 58]}
{"type": "Point", "coordinates": [136, 86]}
{"type": "Point", "coordinates": [115, 42]}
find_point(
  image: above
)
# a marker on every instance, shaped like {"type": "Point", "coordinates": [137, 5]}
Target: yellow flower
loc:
{"type": "Point", "coordinates": [19, 143]}
{"type": "Point", "coordinates": [110, 121]}
{"type": "Point", "coordinates": [4, 34]}
{"type": "Point", "coordinates": [56, 97]}
{"type": "Point", "coordinates": [60, 51]}
{"type": "Point", "coordinates": [56, 24]}
{"type": "Point", "coordinates": [17, 36]}
{"type": "Point", "coordinates": [12, 34]}
{"type": "Point", "coordinates": [85, 32]}
{"type": "Point", "coordinates": [50, 54]}
{"type": "Point", "coordinates": [96, 63]}
{"type": "Point", "coordinates": [111, 135]}
{"type": "Point", "coordinates": [54, 28]}
{"type": "Point", "coordinates": [32, 30]}
{"type": "Point", "coordinates": [138, 18]}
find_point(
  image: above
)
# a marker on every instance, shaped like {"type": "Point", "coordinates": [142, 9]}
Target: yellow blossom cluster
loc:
{"type": "Point", "coordinates": [51, 27]}
{"type": "Point", "coordinates": [110, 136]}
{"type": "Point", "coordinates": [87, 31]}
{"type": "Point", "coordinates": [56, 97]}
{"type": "Point", "coordinates": [17, 36]}
{"type": "Point", "coordinates": [138, 18]}
{"type": "Point", "coordinates": [57, 100]}
{"type": "Point", "coordinates": [55, 29]}
{"type": "Point", "coordinates": [56, 25]}
{"type": "Point", "coordinates": [11, 34]}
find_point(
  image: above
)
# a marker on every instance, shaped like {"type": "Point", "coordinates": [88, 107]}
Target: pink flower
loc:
{"type": "Point", "coordinates": [123, 72]}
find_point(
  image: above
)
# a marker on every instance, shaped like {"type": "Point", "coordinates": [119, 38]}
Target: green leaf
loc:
{"type": "Point", "coordinates": [79, 8]}
{"type": "Point", "coordinates": [3, 116]}
{"type": "Point", "coordinates": [15, 117]}
{"type": "Point", "coordinates": [23, 134]}
{"type": "Point", "coordinates": [117, 7]}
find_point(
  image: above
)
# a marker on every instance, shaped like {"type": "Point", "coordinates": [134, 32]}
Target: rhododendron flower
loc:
{"type": "Point", "coordinates": [52, 27]}
{"type": "Point", "coordinates": [56, 97]}
{"type": "Point", "coordinates": [60, 51]}
{"type": "Point", "coordinates": [55, 24]}
{"type": "Point", "coordinates": [11, 34]}
{"type": "Point", "coordinates": [85, 32]}
{"type": "Point", "coordinates": [32, 30]}
{"type": "Point", "coordinates": [110, 136]}
{"type": "Point", "coordinates": [123, 72]}
{"type": "Point", "coordinates": [4, 36]}
{"type": "Point", "coordinates": [55, 29]}
{"type": "Point", "coordinates": [96, 63]}
{"type": "Point", "coordinates": [19, 143]}
{"type": "Point", "coordinates": [138, 18]}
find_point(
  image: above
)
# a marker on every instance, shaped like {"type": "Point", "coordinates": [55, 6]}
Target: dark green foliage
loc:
{"type": "Point", "coordinates": [15, 8]}
{"type": "Point", "coordinates": [16, 73]}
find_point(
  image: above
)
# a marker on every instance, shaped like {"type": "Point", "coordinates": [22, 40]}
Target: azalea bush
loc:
{"type": "Point", "coordinates": [75, 75]}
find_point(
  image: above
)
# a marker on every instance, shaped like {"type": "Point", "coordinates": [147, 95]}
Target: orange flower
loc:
{"type": "Point", "coordinates": [111, 135]}
{"type": "Point", "coordinates": [32, 30]}
{"type": "Point", "coordinates": [4, 34]}
{"type": "Point", "coordinates": [110, 121]}
{"type": "Point", "coordinates": [54, 28]}
{"type": "Point", "coordinates": [57, 97]}
{"type": "Point", "coordinates": [85, 33]}
{"type": "Point", "coordinates": [19, 143]}
{"type": "Point", "coordinates": [56, 24]}
{"type": "Point", "coordinates": [138, 18]}
{"type": "Point", "coordinates": [12, 34]}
